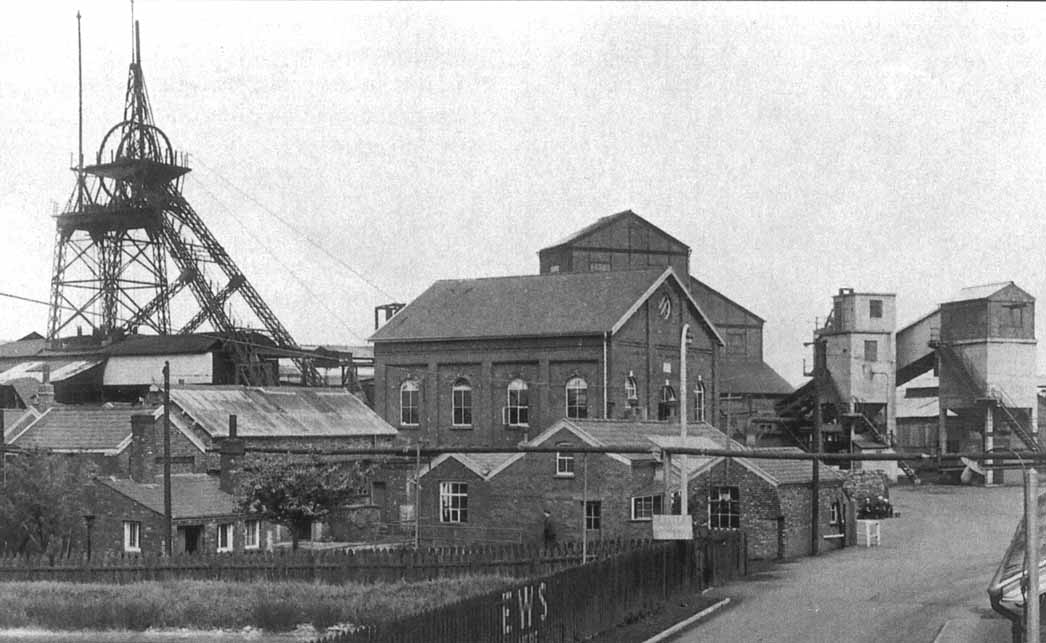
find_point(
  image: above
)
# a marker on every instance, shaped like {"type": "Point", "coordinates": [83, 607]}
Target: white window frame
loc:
{"type": "Point", "coordinates": [717, 499]}
{"type": "Point", "coordinates": [700, 401]}
{"type": "Point", "coordinates": [640, 504]}
{"type": "Point", "coordinates": [564, 465]}
{"type": "Point", "coordinates": [517, 408]}
{"type": "Point", "coordinates": [413, 390]}
{"type": "Point", "coordinates": [631, 388]}
{"type": "Point", "coordinates": [836, 513]}
{"type": "Point", "coordinates": [251, 534]}
{"type": "Point", "coordinates": [225, 530]}
{"type": "Point", "coordinates": [577, 398]}
{"type": "Point", "coordinates": [461, 393]}
{"type": "Point", "coordinates": [132, 536]}
{"type": "Point", "coordinates": [453, 502]}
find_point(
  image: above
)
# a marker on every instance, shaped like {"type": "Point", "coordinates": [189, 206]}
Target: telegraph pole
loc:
{"type": "Point", "coordinates": [1031, 554]}
{"type": "Point", "coordinates": [168, 545]}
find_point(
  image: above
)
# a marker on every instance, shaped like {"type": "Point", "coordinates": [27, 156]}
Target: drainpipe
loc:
{"type": "Point", "coordinates": [606, 374]}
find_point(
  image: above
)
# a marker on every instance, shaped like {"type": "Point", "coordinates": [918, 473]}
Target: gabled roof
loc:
{"type": "Point", "coordinates": [279, 412]}
{"type": "Point", "coordinates": [28, 346]}
{"type": "Point", "coordinates": [603, 222]}
{"type": "Point", "coordinates": [559, 304]}
{"type": "Point", "coordinates": [80, 428]}
{"type": "Point", "coordinates": [701, 290]}
{"type": "Point", "coordinates": [789, 471]}
{"type": "Point", "coordinates": [484, 465]}
{"type": "Point", "coordinates": [989, 291]}
{"type": "Point", "coordinates": [193, 495]}
{"type": "Point", "coordinates": [34, 369]}
{"type": "Point", "coordinates": [751, 377]}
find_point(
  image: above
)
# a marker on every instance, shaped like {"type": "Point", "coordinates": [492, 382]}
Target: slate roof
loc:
{"type": "Point", "coordinates": [21, 348]}
{"type": "Point", "coordinates": [34, 369]}
{"type": "Point", "coordinates": [791, 471]}
{"type": "Point", "coordinates": [193, 495]}
{"type": "Point", "coordinates": [632, 433]}
{"type": "Point", "coordinates": [700, 288]}
{"type": "Point", "coordinates": [532, 305]}
{"type": "Point", "coordinates": [81, 428]}
{"type": "Point", "coordinates": [751, 377]}
{"type": "Point", "coordinates": [284, 411]}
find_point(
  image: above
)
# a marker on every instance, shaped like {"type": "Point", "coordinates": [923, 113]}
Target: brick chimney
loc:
{"type": "Point", "coordinates": [45, 394]}
{"type": "Point", "coordinates": [232, 451]}
{"type": "Point", "coordinates": [141, 460]}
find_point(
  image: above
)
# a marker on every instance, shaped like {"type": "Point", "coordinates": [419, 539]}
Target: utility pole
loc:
{"type": "Point", "coordinates": [417, 493]}
{"type": "Point", "coordinates": [168, 545]}
{"type": "Point", "coordinates": [684, 462]}
{"type": "Point", "coordinates": [1031, 554]}
{"type": "Point", "coordinates": [815, 500]}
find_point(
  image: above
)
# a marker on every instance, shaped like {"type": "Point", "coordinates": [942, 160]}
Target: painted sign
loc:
{"type": "Point", "coordinates": [523, 611]}
{"type": "Point", "coordinates": [672, 527]}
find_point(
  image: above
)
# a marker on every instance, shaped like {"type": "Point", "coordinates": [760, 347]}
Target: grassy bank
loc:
{"type": "Point", "coordinates": [210, 604]}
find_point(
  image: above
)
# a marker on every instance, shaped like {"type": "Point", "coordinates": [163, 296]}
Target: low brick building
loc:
{"type": "Point", "coordinates": [498, 498]}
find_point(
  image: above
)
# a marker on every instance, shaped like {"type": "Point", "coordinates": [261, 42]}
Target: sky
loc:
{"type": "Point", "coordinates": [350, 154]}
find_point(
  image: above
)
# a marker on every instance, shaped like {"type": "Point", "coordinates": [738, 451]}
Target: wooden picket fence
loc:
{"type": "Point", "coordinates": [331, 566]}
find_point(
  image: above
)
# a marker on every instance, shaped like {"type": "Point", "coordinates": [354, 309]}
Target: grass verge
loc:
{"type": "Point", "coordinates": [222, 605]}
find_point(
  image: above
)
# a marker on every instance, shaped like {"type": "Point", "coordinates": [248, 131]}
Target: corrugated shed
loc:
{"type": "Point", "coordinates": [81, 428]}
{"type": "Point", "coordinates": [193, 495]}
{"type": "Point", "coordinates": [279, 412]}
{"type": "Point", "coordinates": [34, 369]}
{"type": "Point", "coordinates": [752, 377]}
{"type": "Point", "coordinates": [527, 306]}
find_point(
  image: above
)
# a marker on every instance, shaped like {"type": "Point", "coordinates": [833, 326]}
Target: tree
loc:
{"type": "Point", "coordinates": [292, 492]}
{"type": "Point", "coordinates": [42, 501]}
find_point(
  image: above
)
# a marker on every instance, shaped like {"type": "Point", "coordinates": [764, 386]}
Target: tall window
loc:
{"type": "Point", "coordinates": [644, 507]}
{"type": "Point", "coordinates": [453, 502]}
{"type": "Point", "coordinates": [517, 410]}
{"type": "Point", "coordinates": [409, 396]}
{"type": "Point", "coordinates": [565, 464]}
{"type": "Point", "coordinates": [667, 403]}
{"type": "Point", "coordinates": [631, 388]}
{"type": "Point", "coordinates": [577, 398]}
{"type": "Point", "coordinates": [225, 537]}
{"type": "Point", "coordinates": [462, 402]}
{"type": "Point", "coordinates": [871, 350]}
{"type": "Point", "coordinates": [594, 514]}
{"type": "Point", "coordinates": [132, 532]}
{"type": "Point", "coordinates": [251, 534]}
{"type": "Point", "coordinates": [724, 508]}
{"type": "Point", "coordinates": [699, 401]}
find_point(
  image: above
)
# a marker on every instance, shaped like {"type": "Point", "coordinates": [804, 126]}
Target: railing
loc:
{"type": "Point", "coordinates": [1005, 404]}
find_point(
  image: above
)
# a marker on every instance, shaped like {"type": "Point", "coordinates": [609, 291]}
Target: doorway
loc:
{"type": "Point", "coordinates": [191, 537]}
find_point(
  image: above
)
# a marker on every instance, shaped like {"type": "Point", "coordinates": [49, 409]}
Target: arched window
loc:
{"type": "Point", "coordinates": [409, 407]}
{"type": "Point", "coordinates": [577, 398]}
{"type": "Point", "coordinates": [631, 388]}
{"type": "Point", "coordinates": [461, 400]}
{"type": "Point", "coordinates": [699, 401]}
{"type": "Point", "coordinates": [668, 403]}
{"type": "Point", "coordinates": [517, 410]}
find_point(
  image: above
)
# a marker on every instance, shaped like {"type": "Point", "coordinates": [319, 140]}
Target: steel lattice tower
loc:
{"type": "Point", "coordinates": [127, 227]}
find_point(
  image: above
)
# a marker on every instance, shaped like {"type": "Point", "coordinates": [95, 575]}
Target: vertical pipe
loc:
{"type": "Point", "coordinates": [1031, 559]}
{"type": "Point", "coordinates": [989, 443]}
{"type": "Point", "coordinates": [684, 460]}
{"type": "Point", "coordinates": [584, 510]}
{"type": "Point", "coordinates": [417, 494]}
{"type": "Point", "coordinates": [606, 374]}
{"type": "Point", "coordinates": [168, 545]}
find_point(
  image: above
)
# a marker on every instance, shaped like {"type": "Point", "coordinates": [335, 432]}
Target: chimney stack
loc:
{"type": "Point", "coordinates": [232, 452]}
{"type": "Point", "coordinates": [45, 394]}
{"type": "Point", "coordinates": [141, 460]}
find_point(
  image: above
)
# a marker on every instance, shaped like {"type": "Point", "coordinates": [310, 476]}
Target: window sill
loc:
{"type": "Point", "coordinates": [251, 547]}
{"type": "Point", "coordinates": [565, 476]}
{"type": "Point", "coordinates": [224, 551]}
{"type": "Point", "coordinates": [641, 520]}
{"type": "Point", "coordinates": [517, 427]}
{"type": "Point", "coordinates": [410, 426]}
{"type": "Point", "coordinates": [461, 427]}
{"type": "Point", "coordinates": [130, 550]}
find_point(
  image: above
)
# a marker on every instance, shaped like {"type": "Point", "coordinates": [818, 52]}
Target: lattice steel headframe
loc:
{"type": "Point", "coordinates": [127, 226]}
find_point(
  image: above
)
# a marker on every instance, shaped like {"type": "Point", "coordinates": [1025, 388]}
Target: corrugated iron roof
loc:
{"type": "Point", "coordinates": [985, 291]}
{"type": "Point", "coordinates": [164, 345]}
{"type": "Point", "coordinates": [279, 412]}
{"type": "Point", "coordinates": [34, 369]}
{"type": "Point", "coordinates": [755, 377]}
{"type": "Point", "coordinates": [81, 428]}
{"type": "Point", "coordinates": [193, 495]}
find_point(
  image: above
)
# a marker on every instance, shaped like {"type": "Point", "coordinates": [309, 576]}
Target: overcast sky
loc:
{"type": "Point", "coordinates": [797, 148]}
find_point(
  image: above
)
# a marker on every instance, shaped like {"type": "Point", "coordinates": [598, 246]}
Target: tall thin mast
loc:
{"type": "Point", "coordinates": [80, 81]}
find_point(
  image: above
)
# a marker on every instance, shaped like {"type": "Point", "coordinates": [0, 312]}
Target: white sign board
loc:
{"type": "Point", "coordinates": [672, 527]}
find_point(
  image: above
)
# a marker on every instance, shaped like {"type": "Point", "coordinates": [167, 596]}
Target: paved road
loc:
{"type": "Point", "coordinates": [932, 569]}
